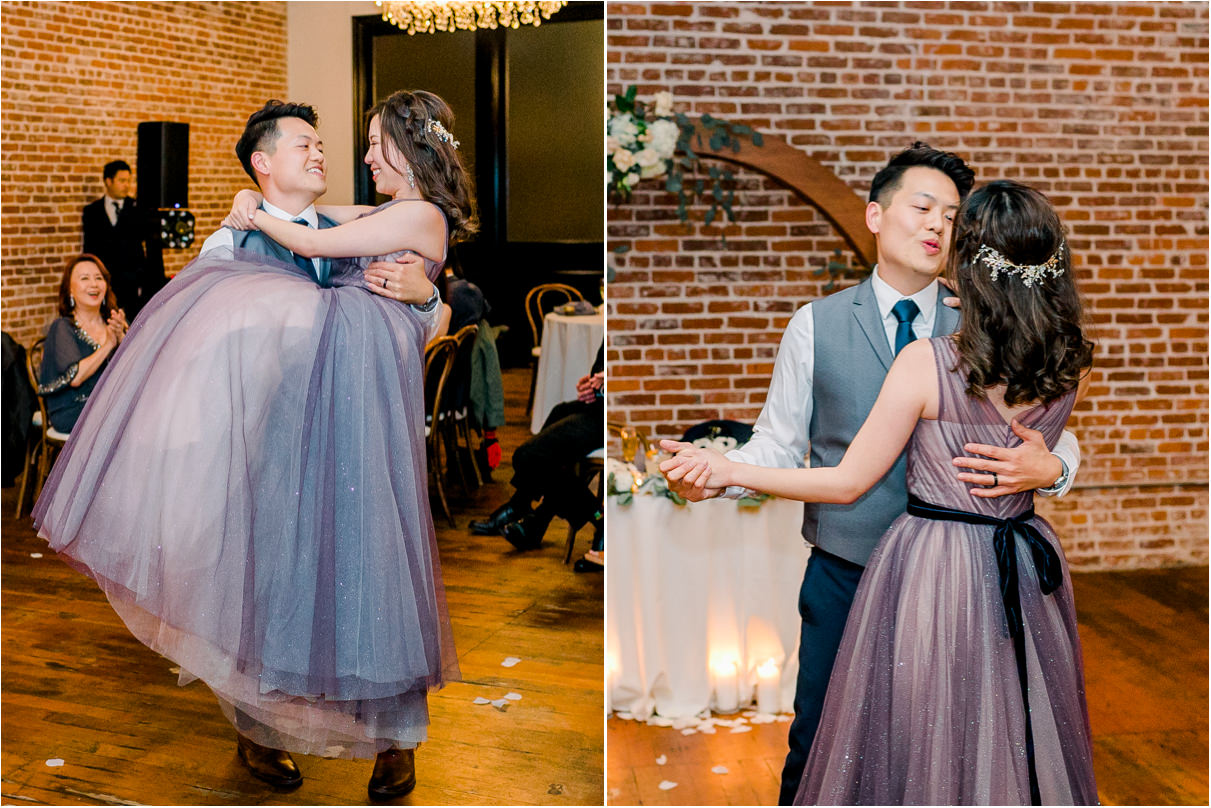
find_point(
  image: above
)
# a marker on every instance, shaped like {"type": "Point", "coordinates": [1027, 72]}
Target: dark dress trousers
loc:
{"type": "Point", "coordinates": [543, 465]}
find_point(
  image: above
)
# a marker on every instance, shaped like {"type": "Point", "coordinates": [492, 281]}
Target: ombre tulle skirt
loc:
{"type": "Point", "coordinates": [925, 706]}
{"type": "Point", "coordinates": [247, 485]}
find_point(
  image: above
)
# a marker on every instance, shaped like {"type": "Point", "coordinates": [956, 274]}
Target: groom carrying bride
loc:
{"type": "Point", "coordinates": [834, 356]}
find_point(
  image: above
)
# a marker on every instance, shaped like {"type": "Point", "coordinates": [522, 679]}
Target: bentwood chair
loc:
{"type": "Point", "coordinates": [458, 423]}
{"type": "Point", "coordinates": [588, 468]}
{"type": "Point", "coordinates": [439, 362]}
{"type": "Point", "coordinates": [540, 300]}
{"type": "Point", "coordinates": [45, 439]}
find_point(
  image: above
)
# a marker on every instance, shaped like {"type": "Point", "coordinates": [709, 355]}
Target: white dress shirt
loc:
{"type": "Point", "coordinates": [111, 211]}
{"type": "Point", "coordinates": [223, 237]}
{"type": "Point", "coordinates": [780, 436]}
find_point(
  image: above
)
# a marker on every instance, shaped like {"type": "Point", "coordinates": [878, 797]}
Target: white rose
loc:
{"type": "Point", "coordinates": [663, 103]}
{"type": "Point", "coordinates": [646, 158]}
{"type": "Point", "coordinates": [612, 145]}
{"type": "Point", "coordinates": [662, 138]}
{"type": "Point", "coordinates": [624, 480]}
{"type": "Point", "coordinates": [624, 129]}
{"type": "Point", "coordinates": [623, 159]}
{"type": "Point", "coordinates": [631, 179]}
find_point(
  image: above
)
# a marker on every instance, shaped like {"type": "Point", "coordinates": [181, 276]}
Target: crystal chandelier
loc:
{"type": "Point", "coordinates": [427, 16]}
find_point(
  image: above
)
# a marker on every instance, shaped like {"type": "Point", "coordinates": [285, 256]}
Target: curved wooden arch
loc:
{"type": "Point", "coordinates": [806, 178]}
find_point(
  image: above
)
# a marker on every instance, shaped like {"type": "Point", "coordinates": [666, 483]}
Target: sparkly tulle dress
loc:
{"type": "Point", "coordinates": [925, 703]}
{"type": "Point", "coordinates": [248, 486]}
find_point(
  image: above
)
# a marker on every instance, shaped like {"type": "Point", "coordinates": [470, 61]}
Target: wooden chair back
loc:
{"type": "Point", "coordinates": [544, 297]}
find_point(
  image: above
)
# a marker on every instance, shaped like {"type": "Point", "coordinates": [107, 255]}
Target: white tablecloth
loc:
{"type": "Point", "coordinates": [569, 346]}
{"type": "Point", "coordinates": [695, 584]}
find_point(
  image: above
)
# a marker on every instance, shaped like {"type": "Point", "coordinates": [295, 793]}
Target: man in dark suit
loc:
{"type": "Point", "coordinates": [122, 235]}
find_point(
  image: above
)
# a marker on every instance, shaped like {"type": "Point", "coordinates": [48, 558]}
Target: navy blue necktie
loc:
{"type": "Point", "coordinates": [301, 261]}
{"type": "Point", "coordinates": [905, 312]}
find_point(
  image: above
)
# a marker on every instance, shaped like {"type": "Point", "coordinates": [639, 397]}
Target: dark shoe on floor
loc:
{"type": "Point", "coordinates": [394, 774]}
{"type": "Point", "coordinates": [274, 766]}
{"type": "Point", "coordinates": [585, 565]}
{"type": "Point", "coordinates": [494, 524]}
{"type": "Point", "coordinates": [527, 533]}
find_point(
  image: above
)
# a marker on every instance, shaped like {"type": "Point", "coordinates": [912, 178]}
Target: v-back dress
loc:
{"type": "Point", "coordinates": [925, 704]}
{"type": "Point", "coordinates": [248, 487]}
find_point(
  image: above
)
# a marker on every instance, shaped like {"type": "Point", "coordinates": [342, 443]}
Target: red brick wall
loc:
{"type": "Point", "coordinates": [77, 78]}
{"type": "Point", "coordinates": [1101, 106]}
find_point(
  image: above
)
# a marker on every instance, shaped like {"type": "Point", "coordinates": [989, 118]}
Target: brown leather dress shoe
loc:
{"type": "Point", "coordinates": [394, 774]}
{"type": "Point", "coordinates": [274, 766]}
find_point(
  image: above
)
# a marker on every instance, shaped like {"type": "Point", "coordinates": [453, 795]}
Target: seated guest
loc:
{"type": "Point", "coordinates": [542, 469]}
{"type": "Point", "coordinates": [79, 343]}
{"type": "Point", "coordinates": [466, 301]}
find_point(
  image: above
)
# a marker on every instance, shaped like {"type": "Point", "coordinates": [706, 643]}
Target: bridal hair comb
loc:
{"type": "Point", "coordinates": [435, 126]}
{"type": "Point", "coordinates": [1030, 273]}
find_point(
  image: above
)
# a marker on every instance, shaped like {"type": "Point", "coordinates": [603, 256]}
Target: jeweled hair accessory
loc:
{"type": "Point", "coordinates": [435, 126]}
{"type": "Point", "coordinates": [1030, 273]}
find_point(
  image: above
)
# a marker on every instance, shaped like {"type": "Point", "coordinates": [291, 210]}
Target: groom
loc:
{"type": "Point", "coordinates": [831, 364]}
{"type": "Point", "coordinates": [282, 153]}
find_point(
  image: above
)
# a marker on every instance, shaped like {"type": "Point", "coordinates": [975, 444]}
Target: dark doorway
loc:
{"type": "Point", "coordinates": [527, 106]}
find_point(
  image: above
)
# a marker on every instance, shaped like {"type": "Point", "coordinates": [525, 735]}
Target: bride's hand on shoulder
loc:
{"type": "Point", "coordinates": [243, 208]}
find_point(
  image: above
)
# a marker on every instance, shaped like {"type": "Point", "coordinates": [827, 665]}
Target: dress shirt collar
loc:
{"type": "Point", "coordinates": [109, 202]}
{"type": "Point", "coordinates": [886, 297]}
{"type": "Point", "coordinates": [308, 213]}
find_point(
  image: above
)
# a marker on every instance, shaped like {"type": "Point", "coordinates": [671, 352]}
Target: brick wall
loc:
{"type": "Point", "coordinates": [1101, 106]}
{"type": "Point", "coordinates": [77, 78]}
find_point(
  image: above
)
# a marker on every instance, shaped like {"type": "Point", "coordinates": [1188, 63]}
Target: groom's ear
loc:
{"type": "Point", "coordinates": [874, 211]}
{"type": "Point", "coordinates": [260, 162]}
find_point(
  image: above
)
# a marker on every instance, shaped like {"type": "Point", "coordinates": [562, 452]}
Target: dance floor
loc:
{"type": "Point", "coordinates": [1144, 635]}
{"type": "Point", "coordinates": [77, 688]}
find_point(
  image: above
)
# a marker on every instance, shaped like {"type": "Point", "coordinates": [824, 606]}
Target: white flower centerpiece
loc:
{"type": "Point", "coordinates": [624, 481]}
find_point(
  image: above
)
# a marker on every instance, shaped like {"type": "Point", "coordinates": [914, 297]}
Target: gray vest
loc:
{"type": "Point", "coordinates": [257, 242]}
{"type": "Point", "coordinates": [852, 358]}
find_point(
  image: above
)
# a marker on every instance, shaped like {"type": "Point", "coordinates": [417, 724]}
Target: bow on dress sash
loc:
{"type": "Point", "coordinates": [1050, 575]}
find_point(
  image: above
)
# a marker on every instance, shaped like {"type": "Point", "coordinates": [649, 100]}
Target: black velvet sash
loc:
{"type": "Point", "coordinates": [1050, 574]}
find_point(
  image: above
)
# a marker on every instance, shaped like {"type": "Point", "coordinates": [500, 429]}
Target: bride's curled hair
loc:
{"type": "Point", "coordinates": [1027, 337]}
{"type": "Point", "coordinates": [407, 118]}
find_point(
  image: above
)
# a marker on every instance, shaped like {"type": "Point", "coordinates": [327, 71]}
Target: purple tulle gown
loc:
{"type": "Point", "coordinates": [925, 704]}
{"type": "Point", "coordinates": [248, 486]}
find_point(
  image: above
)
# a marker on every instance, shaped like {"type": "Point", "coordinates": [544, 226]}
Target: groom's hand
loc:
{"type": "Point", "coordinates": [1023, 468]}
{"type": "Point", "coordinates": [679, 486]}
{"type": "Point", "coordinates": [403, 279]}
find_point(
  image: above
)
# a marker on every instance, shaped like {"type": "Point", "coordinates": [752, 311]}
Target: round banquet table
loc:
{"type": "Point", "coordinates": [569, 346]}
{"type": "Point", "coordinates": [693, 585]}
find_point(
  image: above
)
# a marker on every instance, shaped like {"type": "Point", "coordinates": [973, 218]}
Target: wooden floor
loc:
{"type": "Point", "coordinates": [1144, 636]}
{"type": "Point", "coordinates": [77, 687]}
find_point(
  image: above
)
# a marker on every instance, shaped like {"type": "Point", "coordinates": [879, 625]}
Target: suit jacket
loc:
{"type": "Point", "coordinates": [119, 246]}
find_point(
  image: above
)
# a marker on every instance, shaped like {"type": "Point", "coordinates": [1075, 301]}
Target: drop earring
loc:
{"type": "Point", "coordinates": [411, 176]}
{"type": "Point", "coordinates": [72, 299]}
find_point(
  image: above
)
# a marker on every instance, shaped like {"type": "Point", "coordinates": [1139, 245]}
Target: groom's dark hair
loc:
{"type": "Point", "coordinates": [262, 129]}
{"type": "Point", "coordinates": [885, 183]}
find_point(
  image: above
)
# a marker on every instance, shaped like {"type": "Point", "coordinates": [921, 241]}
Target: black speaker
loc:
{"type": "Point", "coordinates": [163, 165]}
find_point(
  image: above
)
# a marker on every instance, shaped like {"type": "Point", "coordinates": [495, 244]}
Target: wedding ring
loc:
{"type": "Point", "coordinates": [994, 480]}
{"type": "Point", "coordinates": [384, 283]}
